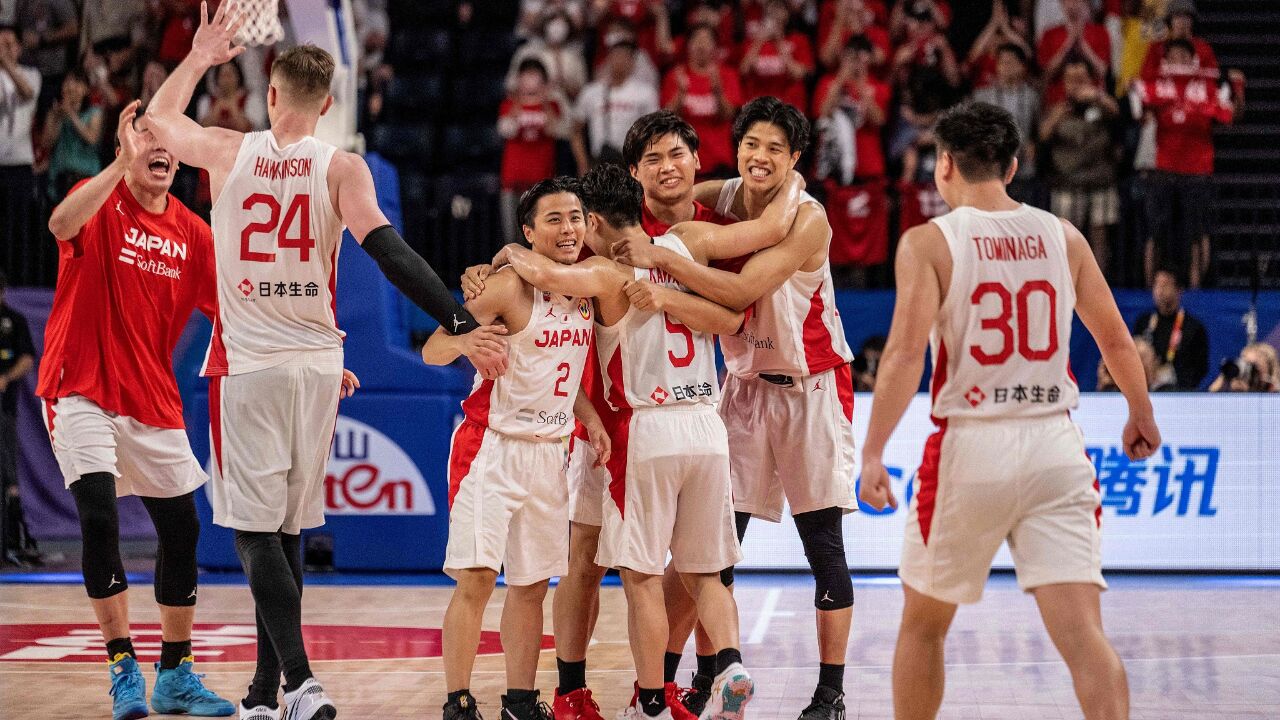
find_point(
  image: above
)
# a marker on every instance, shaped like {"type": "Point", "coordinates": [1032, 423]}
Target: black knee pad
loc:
{"type": "Point", "coordinates": [95, 496]}
{"type": "Point", "coordinates": [740, 520]}
{"type": "Point", "coordinates": [178, 531]}
{"type": "Point", "coordinates": [822, 534]}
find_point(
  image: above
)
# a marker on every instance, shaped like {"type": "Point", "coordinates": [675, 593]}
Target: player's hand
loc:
{"type": "Point", "coordinates": [350, 383]}
{"type": "Point", "coordinates": [635, 252]}
{"type": "Point", "coordinates": [644, 295]}
{"type": "Point", "coordinates": [1141, 437]}
{"type": "Point", "coordinates": [473, 281]}
{"type": "Point", "coordinates": [486, 348]}
{"type": "Point", "coordinates": [130, 139]}
{"type": "Point", "coordinates": [600, 442]}
{"type": "Point", "coordinates": [504, 256]}
{"type": "Point", "coordinates": [214, 41]}
{"type": "Point", "coordinates": [875, 490]}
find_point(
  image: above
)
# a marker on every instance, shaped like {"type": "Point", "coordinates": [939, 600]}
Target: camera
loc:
{"type": "Point", "coordinates": [1233, 368]}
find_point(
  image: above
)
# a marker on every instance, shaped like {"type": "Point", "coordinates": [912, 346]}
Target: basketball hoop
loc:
{"type": "Point", "coordinates": [262, 23]}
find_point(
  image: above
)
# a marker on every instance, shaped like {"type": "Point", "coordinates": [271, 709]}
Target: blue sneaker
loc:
{"type": "Point", "coordinates": [128, 689]}
{"type": "Point", "coordinates": [180, 692]}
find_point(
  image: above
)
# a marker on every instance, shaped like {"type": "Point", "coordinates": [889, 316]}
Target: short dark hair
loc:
{"type": "Point", "coordinates": [551, 186]}
{"type": "Point", "coordinates": [1175, 43]}
{"type": "Point", "coordinates": [1178, 275]}
{"type": "Point", "coordinates": [535, 65]}
{"type": "Point", "coordinates": [1014, 50]}
{"type": "Point", "coordinates": [769, 109]}
{"type": "Point", "coordinates": [650, 128]}
{"type": "Point", "coordinates": [859, 43]}
{"type": "Point", "coordinates": [982, 139]}
{"type": "Point", "coordinates": [1075, 58]}
{"type": "Point", "coordinates": [610, 192]}
{"type": "Point", "coordinates": [702, 27]}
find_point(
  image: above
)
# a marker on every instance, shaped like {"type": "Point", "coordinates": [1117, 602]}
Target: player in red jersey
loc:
{"type": "Point", "coordinates": [281, 200]}
{"type": "Point", "coordinates": [991, 287]}
{"type": "Point", "coordinates": [788, 399]}
{"type": "Point", "coordinates": [133, 263]}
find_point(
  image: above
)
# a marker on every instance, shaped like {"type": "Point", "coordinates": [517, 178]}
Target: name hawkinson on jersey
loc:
{"type": "Point", "coordinates": [152, 245]}
{"type": "Point", "coordinates": [281, 169]}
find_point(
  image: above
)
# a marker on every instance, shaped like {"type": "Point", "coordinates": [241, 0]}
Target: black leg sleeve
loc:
{"type": "Point", "coordinates": [178, 531]}
{"type": "Point", "coordinates": [266, 677]}
{"type": "Point", "coordinates": [95, 496]}
{"type": "Point", "coordinates": [277, 600]}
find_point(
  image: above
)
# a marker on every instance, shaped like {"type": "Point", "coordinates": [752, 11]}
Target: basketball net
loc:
{"type": "Point", "coordinates": [262, 23]}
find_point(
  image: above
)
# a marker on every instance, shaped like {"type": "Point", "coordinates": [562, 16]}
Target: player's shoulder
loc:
{"type": "Point", "coordinates": [811, 221]}
{"type": "Point", "coordinates": [345, 161]}
{"type": "Point", "coordinates": [924, 240]}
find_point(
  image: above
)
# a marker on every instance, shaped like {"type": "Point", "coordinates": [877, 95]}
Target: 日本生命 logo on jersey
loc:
{"type": "Point", "coordinates": [246, 287]}
{"type": "Point", "coordinates": [659, 395]}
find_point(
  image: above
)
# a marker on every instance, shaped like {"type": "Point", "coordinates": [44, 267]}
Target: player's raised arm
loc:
{"type": "Point", "coordinates": [211, 148]}
{"type": "Point", "coordinates": [1097, 310]}
{"type": "Point", "coordinates": [356, 201]}
{"type": "Point", "coordinates": [919, 298]}
{"type": "Point", "coordinates": [697, 313]}
{"type": "Point", "coordinates": [709, 241]}
{"type": "Point", "coordinates": [592, 277]}
{"type": "Point", "coordinates": [83, 203]}
{"type": "Point", "coordinates": [763, 273]}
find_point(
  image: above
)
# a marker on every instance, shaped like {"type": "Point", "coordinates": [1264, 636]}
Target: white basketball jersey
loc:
{"type": "Point", "coordinates": [276, 236]}
{"type": "Point", "coordinates": [796, 329]}
{"type": "Point", "coordinates": [534, 399]}
{"type": "Point", "coordinates": [651, 359]}
{"type": "Point", "coordinates": [1001, 347]}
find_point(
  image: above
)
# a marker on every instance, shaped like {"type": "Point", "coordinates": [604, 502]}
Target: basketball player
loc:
{"type": "Point", "coordinates": [991, 287]}
{"type": "Point", "coordinates": [788, 399]}
{"type": "Point", "coordinates": [661, 152]}
{"type": "Point", "coordinates": [280, 201]}
{"type": "Point", "coordinates": [669, 483]}
{"type": "Point", "coordinates": [508, 495]}
{"type": "Point", "coordinates": [133, 263]}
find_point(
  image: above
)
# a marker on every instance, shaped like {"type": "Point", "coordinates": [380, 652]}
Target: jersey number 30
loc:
{"type": "Point", "coordinates": [1003, 322]}
{"type": "Point", "coordinates": [299, 207]}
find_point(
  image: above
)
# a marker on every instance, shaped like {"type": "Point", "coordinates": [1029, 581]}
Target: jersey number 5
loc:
{"type": "Point", "coordinates": [1002, 322]}
{"type": "Point", "coordinates": [676, 328]}
{"type": "Point", "coordinates": [303, 243]}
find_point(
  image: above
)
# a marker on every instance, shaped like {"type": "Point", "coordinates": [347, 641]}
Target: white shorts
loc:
{"type": "Point", "coordinates": [982, 482]}
{"type": "Point", "coordinates": [146, 461]}
{"type": "Point", "coordinates": [587, 484]}
{"type": "Point", "coordinates": [508, 506]}
{"type": "Point", "coordinates": [271, 431]}
{"type": "Point", "coordinates": [672, 493]}
{"type": "Point", "coordinates": [791, 440]}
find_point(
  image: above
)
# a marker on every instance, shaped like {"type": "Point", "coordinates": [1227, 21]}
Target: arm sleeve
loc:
{"type": "Point", "coordinates": [411, 275]}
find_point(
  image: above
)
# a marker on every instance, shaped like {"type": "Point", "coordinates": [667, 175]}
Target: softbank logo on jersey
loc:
{"type": "Point", "coordinates": [369, 474]}
{"type": "Point", "coordinates": [152, 245]}
{"type": "Point", "coordinates": [759, 343]}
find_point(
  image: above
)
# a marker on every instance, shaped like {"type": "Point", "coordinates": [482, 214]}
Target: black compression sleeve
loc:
{"type": "Point", "coordinates": [414, 277]}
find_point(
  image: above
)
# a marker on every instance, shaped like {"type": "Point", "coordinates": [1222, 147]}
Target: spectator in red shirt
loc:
{"type": "Point", "coordinates": [852, 100]}
{"type": "Point", "coordinates": [647, 20]}
{"type": "Point", "coordinates": [925, 49]}
{"type": "Point", "coordinates": [776, 61]}
{"type": "Point", "coordinates": [705, 92]}
{"type": "Point", "coordinates": [980, 65]}
{"type": "Point", "coordinates": [1185, 102]}
{"type": "Point", "coordinates": [178, 20]}
{"type": "Point", "coordinates": [844, 19]}
{"type": "Point", "coordinates": [1181, 23]}
{"type": "Point", "coordinates": [721, 17]}
{"type": "Point", "coordinates": [530, 121]}
{"type": "Point", "coordinates": [1079, 36]}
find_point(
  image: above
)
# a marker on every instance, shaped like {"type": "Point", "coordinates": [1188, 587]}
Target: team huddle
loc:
{"type": "Point", "coordinates": [603, 332]}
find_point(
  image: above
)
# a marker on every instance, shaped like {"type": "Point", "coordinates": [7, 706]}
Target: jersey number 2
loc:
{"type": "Point", "coordinates": [1002, 322]}
{"type": "Point", "coordinates": [303, 243]}
{"type": "Point", "coordinates": [563, 369]}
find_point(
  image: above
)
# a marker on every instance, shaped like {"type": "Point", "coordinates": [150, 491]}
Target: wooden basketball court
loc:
{"type": "Point", "coordinates": [1195, 649]}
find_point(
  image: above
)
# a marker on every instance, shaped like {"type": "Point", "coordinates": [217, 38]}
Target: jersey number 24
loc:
{"type": "Point", "coordinates": [299, 207]}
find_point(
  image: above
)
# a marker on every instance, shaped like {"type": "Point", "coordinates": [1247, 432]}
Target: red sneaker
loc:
{"type": "Point", "coordinates": [577, 705]}
{"type": "Point", "coordinates": [675, 702]}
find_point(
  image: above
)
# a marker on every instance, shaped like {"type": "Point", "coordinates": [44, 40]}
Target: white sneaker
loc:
{"type": "Point", "coordinates": [261, 712]}
{"type": "Point", "coordinates": [730, 693]}
{"type": "Point", "coordinates": [309, 702]}
{"type": "Point", "coordinates": [631, 713]}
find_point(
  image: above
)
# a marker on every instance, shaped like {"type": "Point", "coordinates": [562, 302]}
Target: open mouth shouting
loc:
{"type": "Point", "coordinates": [159, 165]}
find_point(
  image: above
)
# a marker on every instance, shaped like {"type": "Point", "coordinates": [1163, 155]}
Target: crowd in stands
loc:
{"type": "Point", "coordinates": [1117, 100]}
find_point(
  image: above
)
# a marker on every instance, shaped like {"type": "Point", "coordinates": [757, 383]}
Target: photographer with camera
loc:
{"type": "Point", "coordinates": [1256, 370]}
